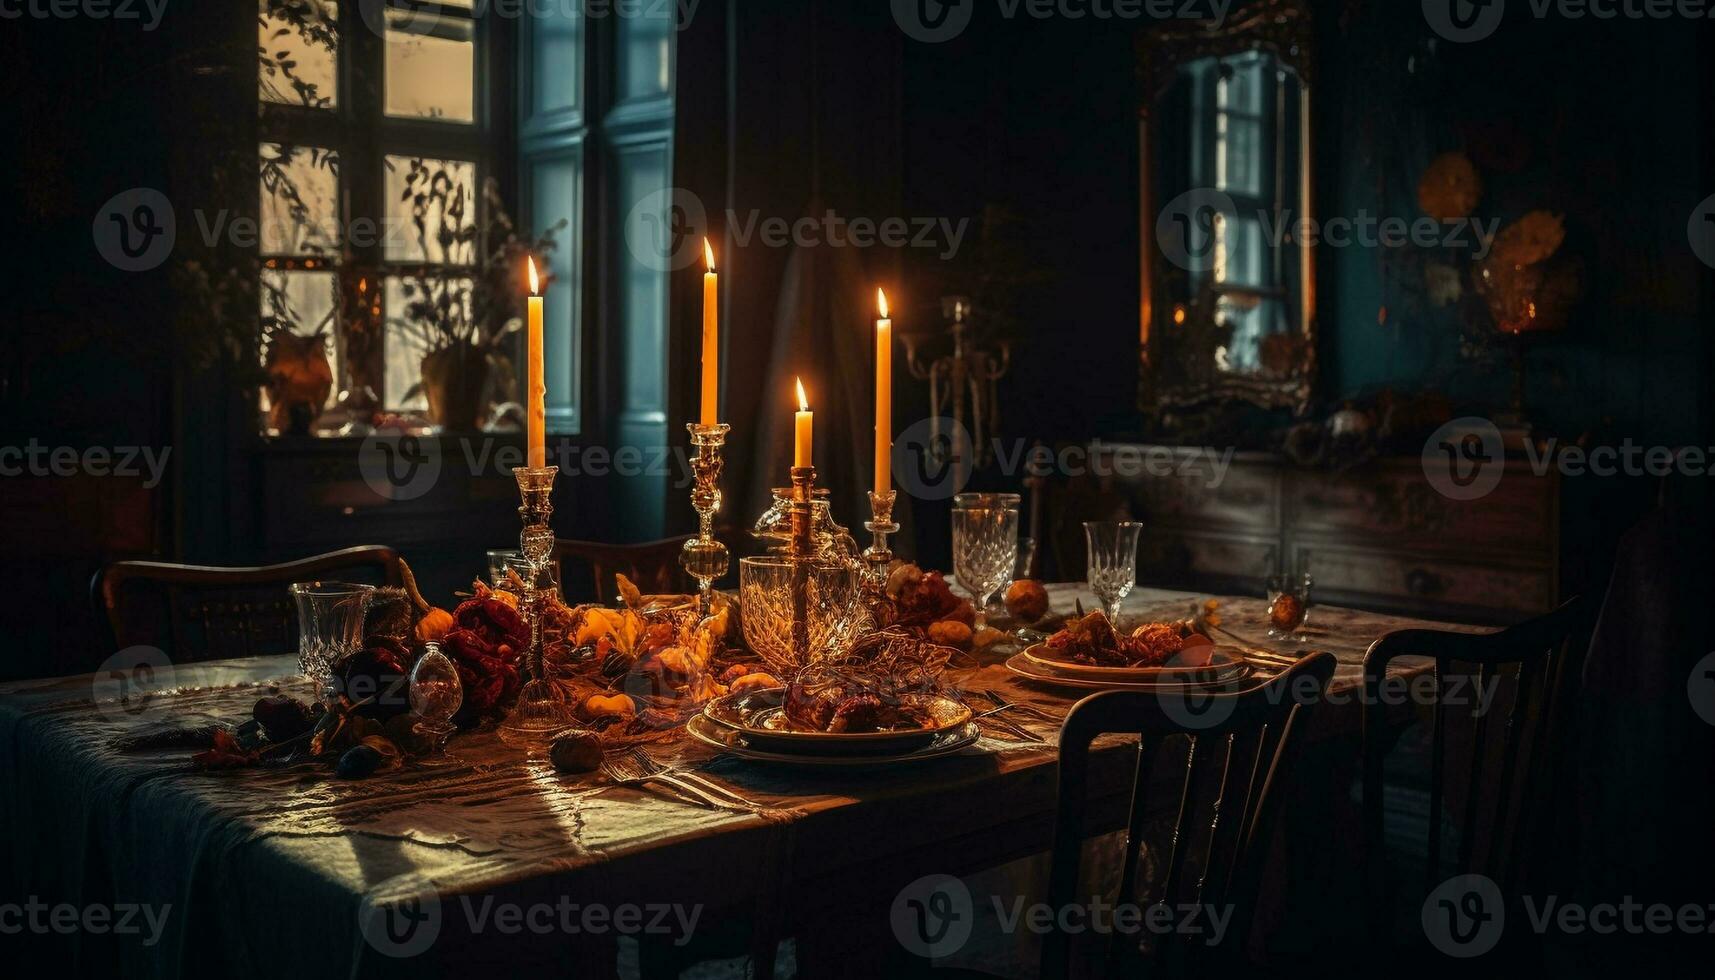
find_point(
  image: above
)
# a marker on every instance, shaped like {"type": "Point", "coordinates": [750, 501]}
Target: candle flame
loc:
{"type": "Point", "coordinates": [881, 303]}
{"type": "Point", "coordinates": [803, 400]}
{"type": "Point", "coordinates": [708, 255]}
{"type": "Point", "coordinates": [535, 284]}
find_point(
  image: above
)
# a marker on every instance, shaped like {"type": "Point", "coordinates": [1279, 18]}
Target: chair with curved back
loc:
{"type": "Point", "coordinates": [1514, 794]}
{"type": "Point", "coordinates": [652, 565]}
{"type": "Point", "coordinates": [208, 612]}
{"type": "Point", "coordinates": [1236, 747]}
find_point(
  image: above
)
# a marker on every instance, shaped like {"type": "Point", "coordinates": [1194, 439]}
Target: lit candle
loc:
{"type": "Point", "coordinates": [883, 397]}
{"type": "Point", "coordinates": [801, 429]}
{"type": "Point", "coordinates": [711, 339]}
{"type": "Point", "coordinates": [536, 393]}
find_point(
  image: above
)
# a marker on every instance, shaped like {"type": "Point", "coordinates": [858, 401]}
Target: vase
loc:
{"type": "Point", "coordinates": [300, 378]}
{"type": "Point", "coordinates": [453, 382]}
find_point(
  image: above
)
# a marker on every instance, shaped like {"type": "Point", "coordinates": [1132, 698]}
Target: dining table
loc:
{"type": "Point", "coordinates": [287, 870]}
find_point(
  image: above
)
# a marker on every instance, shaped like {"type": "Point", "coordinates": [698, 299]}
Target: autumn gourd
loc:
{"type": "Point", "coordinates": [433, 623]}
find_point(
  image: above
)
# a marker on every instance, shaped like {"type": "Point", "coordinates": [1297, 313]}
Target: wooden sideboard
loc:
{"type": "Point", "coordinates": [1378, 536]}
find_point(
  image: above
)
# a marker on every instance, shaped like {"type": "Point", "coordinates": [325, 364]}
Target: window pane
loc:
{"type": "Point", "coordinates": [431, 211]}
{"type": "Point", "coordinates": [300, 200]}
{"type": "Point", "coordinates": [557, 58]}
{"type": "Point", "coordinates": [297, 310]}
{"type": "Point", "coordinates": [297, 45]}
{"type": "Point", "coordinates": [431, 66]}
{"type": "Point", "coordinates": [422, 313]}
{"type": "Point", "coordinates": [645, 52]}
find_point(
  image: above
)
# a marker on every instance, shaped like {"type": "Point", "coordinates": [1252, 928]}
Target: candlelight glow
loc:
{"type": "Point", "coordinates": [708, 255]}
{"type": "Point", "coordinates": [803, 401]}
{"type": "Point", "coordinates": [881, 303]}
{"type": "Point", "coordinates": [535, 284]}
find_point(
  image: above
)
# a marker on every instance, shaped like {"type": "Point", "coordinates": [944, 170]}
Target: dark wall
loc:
{"type": "Point", "coordinates": [1610, 119]}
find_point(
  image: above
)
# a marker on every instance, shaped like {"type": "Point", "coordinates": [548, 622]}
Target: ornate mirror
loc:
{"type": "Point", "coordinates": [1228, 301]}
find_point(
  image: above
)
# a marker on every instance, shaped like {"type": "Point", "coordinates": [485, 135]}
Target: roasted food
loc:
{"type": "Point", "coordinates": [1092, 641]}
{"type": "Point", "coordinates": [830, 700]}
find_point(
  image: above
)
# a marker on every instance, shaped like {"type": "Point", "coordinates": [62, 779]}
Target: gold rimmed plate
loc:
{"type": "Point", "coordinates": [1025, 667]}
{"type": "Point", "coordinates": [1205, 664]}
{"type": "Point", "coordinates": [740, 744]}
{"type": "Point", "coordinates": [761, 717]}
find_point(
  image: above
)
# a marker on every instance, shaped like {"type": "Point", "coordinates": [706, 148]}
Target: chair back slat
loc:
{"type": "Point", "coordinates": [1530, 657]}
{"type": "Point", "coordinates": [208, 612]}
{"type": "Point", "coordinates": [1219, 779]}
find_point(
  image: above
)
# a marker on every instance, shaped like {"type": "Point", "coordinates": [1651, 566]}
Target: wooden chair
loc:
{"type": "Point", "coordinates": [1236, 749]}
{"type": "Point", "coordinates": [1539, 649]}
{"type": "Point", "coordinates": [206, 612]}
{"type": "Point", "coordinates": [652, 565]}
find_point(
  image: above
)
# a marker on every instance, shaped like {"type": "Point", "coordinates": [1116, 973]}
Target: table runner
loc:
{"type": "Point", "coordinates": [93, 824]}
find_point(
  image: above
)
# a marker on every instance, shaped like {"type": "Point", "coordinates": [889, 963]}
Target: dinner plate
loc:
{"type": "Point", "coordinates": [737, 743]}
{"type": "Point", "coordinates": [1025, 667]}
{"type": "Point", "coordinates": [1224, 661]}
{"type": "Point", "coordinates": [762, 718]}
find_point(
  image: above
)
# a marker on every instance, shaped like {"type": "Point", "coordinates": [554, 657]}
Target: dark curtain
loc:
{"type": "Point", "coordinates": [787, 112]}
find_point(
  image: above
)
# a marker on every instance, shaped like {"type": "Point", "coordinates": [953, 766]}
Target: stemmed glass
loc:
{"type": "Point", "coordinates": [1112, 562]}
{"type": "Point", "coordinates": [985, 544]}
{"type": "Point", "coordinates": [330, 626]}
{"type": "Point", "coordinates": [1288, 606]}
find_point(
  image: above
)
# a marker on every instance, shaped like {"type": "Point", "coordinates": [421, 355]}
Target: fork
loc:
{"type": "Point", "coordinates": [621, 774]}
{"type": "Point", "coordinates": [651, 769]}
{"type": "Point", "coordinates": [1003, 703]}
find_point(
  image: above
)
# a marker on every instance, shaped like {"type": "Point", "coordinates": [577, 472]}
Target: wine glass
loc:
{"type": "Point", "coordinates": [985, 544]}
{"type": "Point", "coordinates": [1288, 606]}
{"type": "Point", "coordinates": [1112, 565]}
{"type": "Point", "coordinates": [330, 626]}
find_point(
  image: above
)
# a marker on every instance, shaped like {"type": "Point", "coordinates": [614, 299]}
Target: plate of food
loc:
{"type": "Point", "coordinates": [744, 745]}
{"type": "Point", "coordinates": [1089, 648]}
{"type": "Point", "coordinates": [829, 710]}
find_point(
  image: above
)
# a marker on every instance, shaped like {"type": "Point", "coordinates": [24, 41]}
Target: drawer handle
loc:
{"type": "Point", "coordinates": [1424, 583]}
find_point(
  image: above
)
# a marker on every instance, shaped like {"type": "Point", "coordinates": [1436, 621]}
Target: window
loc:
{"type": "Point", "coordinates": [1244, 109]}
{"type": "Point", "coordinates": [371, 174]}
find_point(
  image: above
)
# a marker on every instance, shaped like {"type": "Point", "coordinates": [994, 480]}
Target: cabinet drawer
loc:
{"type": "Point", "coordinates": [1184, 489]}
{"type": "Point", "coordinates": [1179, 559]}
{"type": "Point", "coordinates": [1393, 502]}
{"type": "Point", "coordinates": [1423, 583]}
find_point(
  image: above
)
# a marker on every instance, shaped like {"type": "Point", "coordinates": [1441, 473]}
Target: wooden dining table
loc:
{"type": "Point", "coordinates": [280, 871]}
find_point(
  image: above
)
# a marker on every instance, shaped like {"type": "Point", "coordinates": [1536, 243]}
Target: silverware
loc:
{"type": "Point", "coordinates": [1001, 701]}
{"type": "Point", "coordinates": [621, 772]}
{"type": "Point", "coordinates": [995, 724]}
{"type": "Point", "coordinates": [655, 770]}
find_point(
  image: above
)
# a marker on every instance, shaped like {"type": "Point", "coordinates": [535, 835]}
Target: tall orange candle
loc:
{"type": "Point", "coordinates": [801, 430]}
{"type": "Point", "coordinates": [883, 396]}
{"type": "Point", "coordinates": [536, 390]}
{"type": "Point", "coordinates": [711, 340]}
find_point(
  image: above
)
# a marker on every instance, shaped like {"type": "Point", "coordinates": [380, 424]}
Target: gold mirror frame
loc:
{"type": "Point", "coordinates": [1284, 29]}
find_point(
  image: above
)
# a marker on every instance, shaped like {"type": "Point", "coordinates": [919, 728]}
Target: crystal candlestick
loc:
{"type": "Point", "coordinates": [878, 555]}
{"type": "Point", "coordinates": [704, 557]}
{"type": "Point", "coordinates": [802, 552]}
{"type": "Point", "coordinates": [542, 710]}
